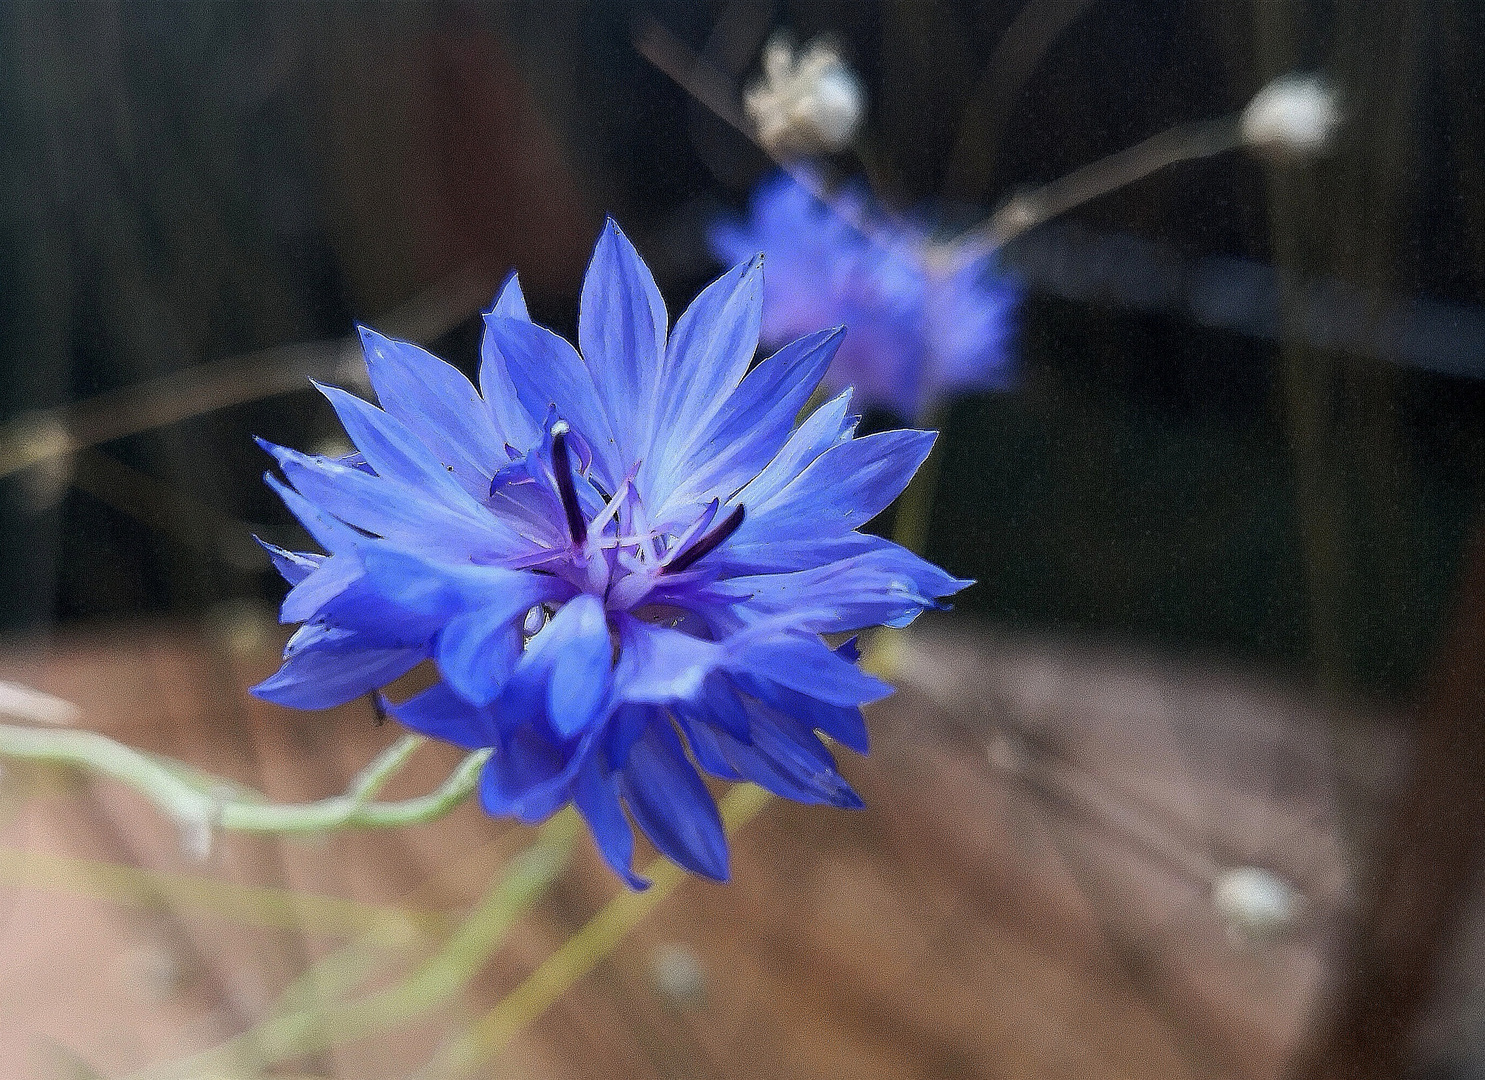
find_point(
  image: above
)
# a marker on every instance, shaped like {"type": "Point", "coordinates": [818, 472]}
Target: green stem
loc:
{"type": "Point", "coordinates": [578, 955]}
{"type": "Point", "coordinates": [433, 983]}
{"type": "Point", "coordinates": [197, 802]}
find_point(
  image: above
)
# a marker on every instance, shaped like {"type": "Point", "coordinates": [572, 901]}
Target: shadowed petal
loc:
{"type": "Point", "coordinates": [671, 804]}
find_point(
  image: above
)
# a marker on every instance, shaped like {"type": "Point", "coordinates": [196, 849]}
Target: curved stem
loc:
{"type": "Point", "coordinates": [197, 802]}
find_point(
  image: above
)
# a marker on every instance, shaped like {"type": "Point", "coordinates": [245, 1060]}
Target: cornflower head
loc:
{"type": "Point", "coordinates": [924, 325]}
{"type": "Point", "coordinates": [611, 553]}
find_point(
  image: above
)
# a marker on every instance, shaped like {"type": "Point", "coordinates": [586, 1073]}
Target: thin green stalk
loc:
{"type": "Point", "coordinates": [198, 804]}
{"type": "Point", "coordinates": [434, 982]}
{"type": "Point", "coordinates": [578, 955]}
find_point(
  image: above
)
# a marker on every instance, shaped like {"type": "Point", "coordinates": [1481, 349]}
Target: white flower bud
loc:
{"type": "Point", "coordinates": [1293, 116]}
{"type": "Point", "coordinates": [1256, 904]}
{"type": "Point", "coordinates": [805, 102]}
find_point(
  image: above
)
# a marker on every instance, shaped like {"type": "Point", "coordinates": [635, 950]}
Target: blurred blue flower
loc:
{"type": "Point", "coordinates": [923, 326]}
{"type": "Point", "coordinates": [610, 555]}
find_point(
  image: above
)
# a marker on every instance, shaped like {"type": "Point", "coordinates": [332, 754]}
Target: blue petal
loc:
{"type": "Point", "coordinates": [621, 334]}
{"type": "Point", "coordinates": [784, 758]}
{"type": "Point", "coordinates": [842, 489]}
{"type": "Point", "coordinates": [440, 713]}
{"type": "Point", "coordinates": [477, 651]}
{"type": "Point", "coordinates": [885, 586]}
{"type": "Point", "coordinates": [808, 665]}
{"type": "Point", "coordinates": [440, 589]}
{"type": "Point", "coordinates": [322, 679]}
{"type": "Point", "coordinates": [547, 372]}
{"type": "Point", "coordinates": [293, 566]}
{"type": "Point", "coordinates": [437, 404]}
{"type": "Point", "coordinates": [527, 776]}
{"type": "Point", "coordinates": [671, 804]}
{"type": "Point", "coordinates": [843, 723]}
{"type": "Point", "coordinates": [821, 430]}
{"type": "Point", "coordinates": [400, 513]}
{"type": "Point", "coordinates": [395, 452]}
{"type": "Point", "coordinates": [516, 426]}
{"type": "Point", "coordinates": [577, 654]}
{"type": "Point", "coordinates": [306, 599]}
{"type": "Point", "coordinates": [658, 665]}
{"type": "Point", "coordinates": [329, 531]}
{"type": "Point", "coordinates": [709, 353]}
{"type": "Point", "coordinates": [597, 799]}
{"type": "Point", "coordinates": [755, 422]}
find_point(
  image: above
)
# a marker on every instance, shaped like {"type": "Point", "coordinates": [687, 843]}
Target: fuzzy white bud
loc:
{"type": "Point", "coordinates": [805, 102]}
{"type": "Point", "coordinates": [1293, 116]}
{"type": "Point", "coordinates": [1256, 904]}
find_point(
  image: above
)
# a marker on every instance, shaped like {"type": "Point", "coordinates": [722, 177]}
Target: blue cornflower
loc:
{"type": "Point", "coordinates": [610, 555]}
{"type": "Point", "coordinates": [924, 325]}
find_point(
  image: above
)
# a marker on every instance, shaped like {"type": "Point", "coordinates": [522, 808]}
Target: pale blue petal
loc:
{"type": "Point", "coordinates": [547, 372]}
{"type": "Point", "coordinates": [438, 589]}
{"type": "Point", "coordinates": [842, 489]}
{"type": "Point", "coordinates": [322, 679]}
{"type": "Point", "coordinates": [400, 513]}
{"type": "Point", "coordinates": [293, 566]}
{"type": "Point", "coordinates": [755, 423]}
{"type": "Point", "coordinates": [437, 404]}
{"type": "Point", "coordinates": [516, 426]}
{"type": "Point", "coordinates": [393, 451]}
{"type": "Point", "coordinates": [708, 354]}
{"type": "Point", "coordinates": [621, 335]}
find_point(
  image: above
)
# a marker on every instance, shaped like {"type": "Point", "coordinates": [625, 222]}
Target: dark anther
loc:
{"type": "Point", "coordinates": [562, 466]}
{"type": "Point", "coordinates": [378, 709]}
{"type": "Point", "coordinates": [707, 543]}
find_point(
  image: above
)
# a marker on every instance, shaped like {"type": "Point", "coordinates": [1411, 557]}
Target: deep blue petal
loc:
{"type": "Point", "coordinates": [527, 777]}
{"type": "Point", "coordinates": [576, 647]}
{"type": "Point", "coordinates": [843, 723]}
{"type": "Point", "coordinates": [332, 578]}
{"type": "Point", "coordinates": [478, 650]}
{"type": "Point", "coordinates": [440, 713]}
{"type": "Point", "coordinates": [806, 664]}
{"type": "Point", "coordinates": [658, 665]}
{"type": "Point", "coordinates": [597, 799]}
{"type": "Point", "coordinates": [671, 805]}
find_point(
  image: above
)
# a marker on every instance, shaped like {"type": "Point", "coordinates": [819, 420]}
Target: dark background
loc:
{"type": "Point", "coordinates": [188, 183]}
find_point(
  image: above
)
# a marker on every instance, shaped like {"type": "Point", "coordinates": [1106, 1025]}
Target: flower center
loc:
{"type": "Point", "coordinates": [622, 555]}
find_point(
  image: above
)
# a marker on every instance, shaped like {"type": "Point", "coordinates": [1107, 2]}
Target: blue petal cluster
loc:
{"type": "Point", "coordinates": [612, 553]}
{"type": "Point", "coordinates": [922, 326]}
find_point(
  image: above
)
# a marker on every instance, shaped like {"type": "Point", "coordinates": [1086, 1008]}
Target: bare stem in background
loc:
{"type": "Point", "coordinates": [47, 434]}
